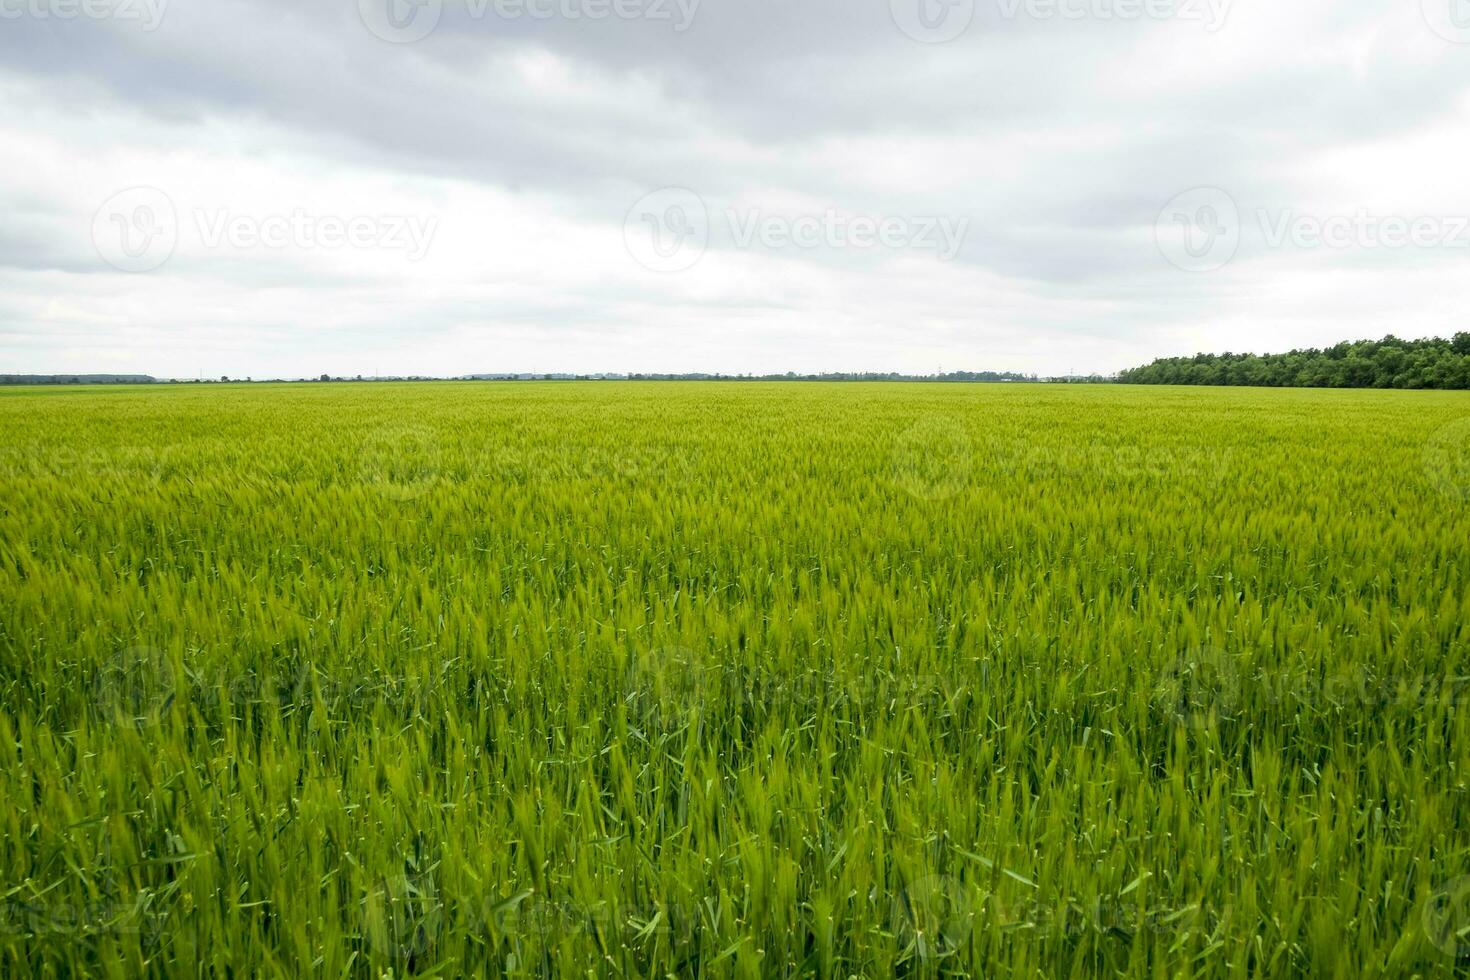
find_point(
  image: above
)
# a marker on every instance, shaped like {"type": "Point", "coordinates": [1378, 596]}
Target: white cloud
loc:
{"type": "Point", "coordinates": [513, 151]}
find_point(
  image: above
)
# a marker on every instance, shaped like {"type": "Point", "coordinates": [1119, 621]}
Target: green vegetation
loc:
{"type": "Point", "coordinates": [1386, 363]}
{"type": "Point", "coordinates": [733, 680]}
{"type": "Point", "coordinates": [76, 379]}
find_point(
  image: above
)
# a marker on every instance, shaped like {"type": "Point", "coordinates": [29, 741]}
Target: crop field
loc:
{"type": "Point", "coordinates": [756, 680]}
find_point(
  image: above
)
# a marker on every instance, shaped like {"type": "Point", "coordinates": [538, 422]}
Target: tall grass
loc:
{"type": "Point", "coordinates": [733, 680]}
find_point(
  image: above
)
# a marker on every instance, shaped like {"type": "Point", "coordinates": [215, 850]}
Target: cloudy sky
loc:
{"type": "Point", "coordinates": [275, 188]}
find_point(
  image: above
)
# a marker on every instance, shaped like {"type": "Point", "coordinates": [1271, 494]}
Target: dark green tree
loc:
{"type": "Point", "coordinates": [1387, 363]}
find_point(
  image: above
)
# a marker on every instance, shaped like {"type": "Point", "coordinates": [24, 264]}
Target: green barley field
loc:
{"type": "Point", "coordinates": [756, 680]}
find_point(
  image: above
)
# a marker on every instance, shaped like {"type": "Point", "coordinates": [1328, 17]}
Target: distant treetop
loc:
{"type": "Point", "coordinates": [1386, 363]}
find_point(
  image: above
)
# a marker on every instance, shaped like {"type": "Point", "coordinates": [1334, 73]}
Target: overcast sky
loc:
{"type": "Point", "coordinates": [279, 188]}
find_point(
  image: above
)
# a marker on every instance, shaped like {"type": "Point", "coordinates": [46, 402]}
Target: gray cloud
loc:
{"type": "Point", "coordinates": [1058, 141]}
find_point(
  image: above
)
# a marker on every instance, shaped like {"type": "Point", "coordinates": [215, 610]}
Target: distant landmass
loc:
{"type": "Point", "coordinates": [1386, 363]}
{"type": "Point", "coordinates": [975, 377]}
{"type": "Point", "coordinates": [77, 379]}
{"type": "Point", "coordinates": [972, 376]}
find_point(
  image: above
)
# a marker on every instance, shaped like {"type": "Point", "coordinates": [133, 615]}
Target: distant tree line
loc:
{"type": "Point", "coordinates": [952, 376]}
{"type": "Point", "coordinates": [76, 379]}
{"type": "Point", "coordinates": [1386, 363]}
